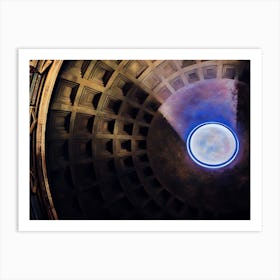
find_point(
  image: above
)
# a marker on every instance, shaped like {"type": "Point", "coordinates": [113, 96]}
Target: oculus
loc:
{"type": "Point", "coordinates": [212, 145]}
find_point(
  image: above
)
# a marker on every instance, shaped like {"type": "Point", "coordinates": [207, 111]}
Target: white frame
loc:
{"type": "Point", "coordinates": [254, 224]}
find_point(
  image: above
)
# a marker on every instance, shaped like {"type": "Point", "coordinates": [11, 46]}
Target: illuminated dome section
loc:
{"type": "Point", "coordinates": [212, 145]}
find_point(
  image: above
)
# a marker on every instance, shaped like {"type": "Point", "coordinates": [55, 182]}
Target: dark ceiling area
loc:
{"type": "Point", "coordinates": [115, 140]}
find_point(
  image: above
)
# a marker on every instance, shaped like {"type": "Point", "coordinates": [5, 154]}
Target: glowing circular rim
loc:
{"type": "Point", "coordinates": [223, 164]}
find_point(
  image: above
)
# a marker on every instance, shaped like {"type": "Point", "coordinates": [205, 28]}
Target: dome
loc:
{"type": "Point", "coordinates": [127, 139]}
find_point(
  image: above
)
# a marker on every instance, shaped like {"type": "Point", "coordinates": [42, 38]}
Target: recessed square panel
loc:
{"type": "Point", "coordinates": [210, 72]}
{"type": "Point", "coordinates": [89, 98]}
{"type": "Point", "coordinates": [136, 67]}
{"type": "Point", "coordinates": [66, 92]}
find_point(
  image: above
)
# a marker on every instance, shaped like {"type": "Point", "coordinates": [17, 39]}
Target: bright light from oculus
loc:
{"type": "Point", "coordinates": [212, 145]}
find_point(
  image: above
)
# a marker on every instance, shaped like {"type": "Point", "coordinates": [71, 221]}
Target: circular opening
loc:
{"type": "Point", "coordinates": [212, 145]}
